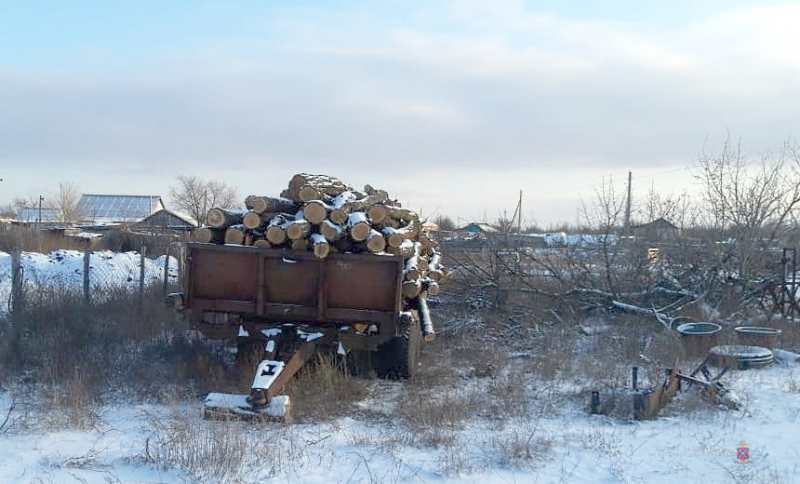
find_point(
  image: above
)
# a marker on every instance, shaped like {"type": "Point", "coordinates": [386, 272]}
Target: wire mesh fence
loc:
{"type": "Point", "coordinates": [90, 276]}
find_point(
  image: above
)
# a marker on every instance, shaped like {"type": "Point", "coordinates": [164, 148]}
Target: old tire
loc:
{"type": "Point", "coordinates": [398, 357]}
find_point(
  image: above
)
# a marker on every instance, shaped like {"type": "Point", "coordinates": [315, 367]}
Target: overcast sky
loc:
{"type": "Point", "coordinates": [453, 107]}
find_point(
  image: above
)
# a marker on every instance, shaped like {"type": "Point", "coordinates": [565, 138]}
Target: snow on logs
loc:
{"type": "Point", "coordinates": [325, 215]}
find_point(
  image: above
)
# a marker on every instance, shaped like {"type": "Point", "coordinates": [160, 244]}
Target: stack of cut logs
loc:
{"type": "Point", "coordinates": [325, 215]}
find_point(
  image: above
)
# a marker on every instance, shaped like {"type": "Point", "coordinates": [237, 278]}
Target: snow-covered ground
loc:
{"type": "Point", "coordinates": [557, 442]}
{"type": "Point", "coordinates": [554, 440]}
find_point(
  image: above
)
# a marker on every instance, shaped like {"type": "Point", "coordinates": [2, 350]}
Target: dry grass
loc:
{"type": "Point", "coordinates": [211, 451]}
{"type": "Point", "coordinates": [324, 390]}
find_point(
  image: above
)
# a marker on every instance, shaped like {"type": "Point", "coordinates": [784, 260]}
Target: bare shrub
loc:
{"type": "Point", "coordinates": [520, 449]}
{"type": "Point", "coordinates": [209, 451]}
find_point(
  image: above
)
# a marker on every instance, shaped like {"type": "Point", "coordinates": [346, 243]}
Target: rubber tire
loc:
{"type": "Point", "coordinates": [398, 358]}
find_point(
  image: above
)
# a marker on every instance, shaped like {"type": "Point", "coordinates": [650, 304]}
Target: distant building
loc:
{"type": "Point", "coordinates": [115, 209]}
{"type": "Point", "coordinates": [166, 219]}
{"type": "Point", "coordinates": [31, 215]}
{"type": "Point", "coordinates": [657, 230]}
{"type": "Point", "coordinates": [478, 228]}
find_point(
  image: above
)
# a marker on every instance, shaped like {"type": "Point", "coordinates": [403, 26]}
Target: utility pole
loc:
{"type": "Point", "coordinates": [41, 198]}
{"type": "Point", "coordinates": [628, 206]}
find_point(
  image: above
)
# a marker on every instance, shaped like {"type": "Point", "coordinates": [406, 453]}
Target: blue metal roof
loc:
{"type": "Point", "coordinates": [32, 215]}
{"type": "Point", "coordinates": [118, 208]}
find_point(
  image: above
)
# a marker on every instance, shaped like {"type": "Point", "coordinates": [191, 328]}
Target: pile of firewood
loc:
{"type": "Point", "coordinates": [325, 215]}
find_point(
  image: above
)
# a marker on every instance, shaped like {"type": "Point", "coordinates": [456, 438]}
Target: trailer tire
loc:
{"type": "Point", "coordinates": [398, 357]}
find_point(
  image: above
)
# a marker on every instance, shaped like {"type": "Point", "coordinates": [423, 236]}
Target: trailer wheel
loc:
{"type": "Point", "coordinates": [398, 357]}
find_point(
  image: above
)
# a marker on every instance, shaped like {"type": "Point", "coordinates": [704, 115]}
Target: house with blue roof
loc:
{"type": "Point", "coordinates": [116, 209]}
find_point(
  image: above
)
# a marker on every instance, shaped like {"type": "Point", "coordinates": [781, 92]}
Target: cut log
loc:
{"type": "Point", "coordinates": [395, 237]}
{"type": "Point", "coordinates": [411, 289]}
{"type": "Point", "coordinates": [331, 231]}
{"type": "Point", "coordinates": [208, 235]}
{"type": "Point", "coordinates": [377, 214]}
{"type": "Point", "coordinates": [323, 184]}
{"type": "Point", "coordinates": [298, 229]}
{"type": "Point", "coordinates": [262, 243]}
{"type": "Point", "coordinates": [375, 242]}
{"type": "Point", "coordinates": [411, 271]}
{"type": "Point", "coordinates": [358, 226]}
{"type": "Point", "coordinates": [340, 212]}
{"type": "Point", "coordinates": [276, 229]}
{"type": "Point", "coordinates": [235, 234]}
{"type": "Point", "coordinates": [315, 211]}
{"type": "Point", "coordinates": [406, 249]}
{"type": "Point", "coordinates": [430, 287]}
{"type": "Point", "coordinates": [259, 204]}
{"type": "Point", "coordinates": [257, 221]}
{"type": "Point", "coordinates": [300, 244]}
{"type": "Point", "coordinates": [222, 217]}
{"type": "Point", "coordinates": [428, 244]}
{"type": "Point", "coordinates": [402, 214]}
{"type": "Point", "coordinates": [425, 319]}
{"type": "Point", "coordinates": [321, 247]}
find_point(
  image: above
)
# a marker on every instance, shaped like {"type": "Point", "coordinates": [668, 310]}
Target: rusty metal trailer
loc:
{"type": "Point", "coordinates": [283, 306]}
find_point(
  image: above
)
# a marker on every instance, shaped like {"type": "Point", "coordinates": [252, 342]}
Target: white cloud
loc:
{"type": "Point", "coordinates": [461, 88]}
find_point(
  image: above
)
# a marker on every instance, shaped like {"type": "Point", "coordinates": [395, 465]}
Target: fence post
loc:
{"type": "Point", "coordinates": [166, 270]}
{"type": "Point", "coordinates": [87, 258]}
{"type": "Point", "coordinates": [16, 284]}
{"type": "Point", "coordinates": [141, 275]}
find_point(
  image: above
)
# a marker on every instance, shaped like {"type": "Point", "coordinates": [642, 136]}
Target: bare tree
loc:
{"type": "Point", "coordinates": [196, 196]}
{"type": "Point", "coordinates": [66, 200]}
{"type": "Point", "coordinates": [747, 203]}
{"type": "Point", "coordinates": [445, 223]}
